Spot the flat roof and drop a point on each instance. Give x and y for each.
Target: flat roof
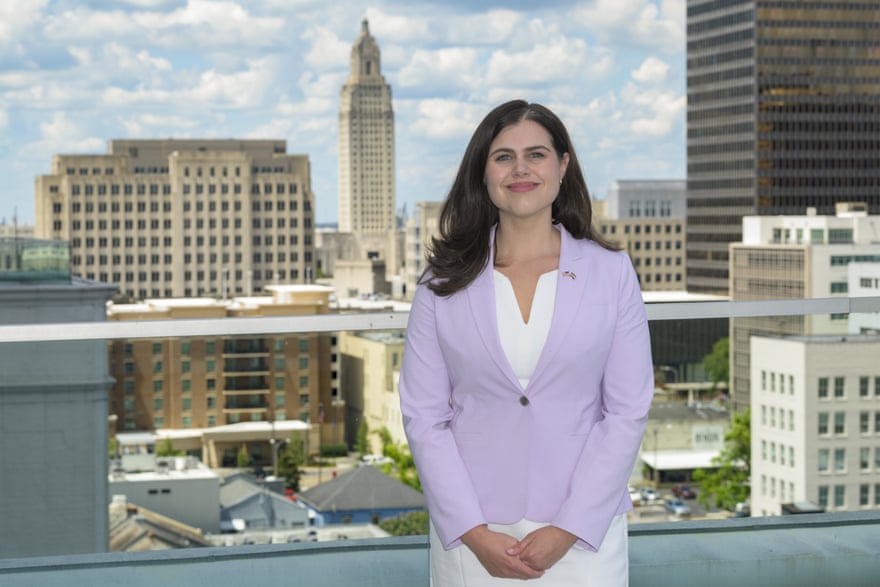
(675, 460)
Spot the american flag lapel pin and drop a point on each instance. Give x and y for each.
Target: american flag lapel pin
(569, 274)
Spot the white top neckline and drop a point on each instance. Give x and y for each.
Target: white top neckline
(521, 341)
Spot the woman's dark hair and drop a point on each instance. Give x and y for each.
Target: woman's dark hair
(461, 252)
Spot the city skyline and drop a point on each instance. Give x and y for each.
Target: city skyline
(76, 74)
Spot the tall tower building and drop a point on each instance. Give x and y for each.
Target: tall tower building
(783, 115)
(183, 217)
(366, 146)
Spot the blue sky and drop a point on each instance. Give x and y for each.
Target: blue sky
(74, 74)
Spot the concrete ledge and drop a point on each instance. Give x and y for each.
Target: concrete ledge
(787, 551)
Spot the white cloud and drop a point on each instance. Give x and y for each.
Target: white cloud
(638, 23)
(446, 119)
(17, 17)
(495, 26)
(4, 119)
(656, 111)
(448, 69)
(202, 23)
(652, 70)
(327, 51)
(559, 61)
(391, 28)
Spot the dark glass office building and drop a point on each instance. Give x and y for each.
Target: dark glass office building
(783, 115)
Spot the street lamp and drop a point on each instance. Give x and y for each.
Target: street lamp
(276, 446)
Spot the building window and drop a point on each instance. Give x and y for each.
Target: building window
(864, 422)
(186, 404)
(864, 494)
(823, 387)
(823, 423)
(823, 460)
(839, 496)
(279, 363)
(157, 348)
(209, 347)
(840, 422)
(303, 381)
(157, 366)
(157, 386)
(863, 386)
(157, 404)
(186, 385)
(303, 362)
(304, 347)
(184, 347)
(185, 366)
(839, 460)
(838, 387)
(864, 458)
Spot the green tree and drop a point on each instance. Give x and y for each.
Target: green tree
(408, 524)
(402, 466)
(360, 445)
(728, 483)
(166, 449)
(243, 459)
(717, 362)
(290, 459)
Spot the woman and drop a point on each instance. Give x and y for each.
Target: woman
(527, 374)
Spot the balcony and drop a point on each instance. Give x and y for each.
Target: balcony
(250, 366)
(815, 550)
(838, 548)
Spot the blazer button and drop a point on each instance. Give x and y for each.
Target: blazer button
(523, 400)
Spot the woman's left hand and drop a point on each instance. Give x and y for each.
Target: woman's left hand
(543, 547)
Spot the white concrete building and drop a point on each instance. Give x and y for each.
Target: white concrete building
(181, 488)
(815, 422)
(795, 257)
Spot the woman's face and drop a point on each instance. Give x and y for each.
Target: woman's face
(523, 171)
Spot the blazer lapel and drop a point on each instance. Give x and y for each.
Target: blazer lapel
(571, 281)
(481, 295)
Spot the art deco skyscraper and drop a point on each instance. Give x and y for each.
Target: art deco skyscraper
(783, 115)
(366, 145)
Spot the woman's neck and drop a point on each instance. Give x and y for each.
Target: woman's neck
(518, 243)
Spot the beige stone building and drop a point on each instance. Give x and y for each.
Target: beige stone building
(205, 382)
(369, 368)
(183, 218)
(646, 218)
(419, 229)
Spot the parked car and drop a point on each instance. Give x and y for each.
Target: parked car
(677, 507)
(635, 495)
(649, 495)
(742, 510)
(684, 492)
(375, 459)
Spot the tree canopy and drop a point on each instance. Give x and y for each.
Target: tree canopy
(717, 362)
(728, 483)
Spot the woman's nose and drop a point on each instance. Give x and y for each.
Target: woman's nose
(520, 167)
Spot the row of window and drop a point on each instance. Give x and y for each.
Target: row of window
(772, 421)
(824, 419)
(771, 455)
(866, 465)
(840, 495)
(637, 229)
(865, 387)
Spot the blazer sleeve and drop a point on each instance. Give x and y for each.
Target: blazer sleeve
(425, 402)
(598, 484)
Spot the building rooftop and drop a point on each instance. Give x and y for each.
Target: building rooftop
(362, 488)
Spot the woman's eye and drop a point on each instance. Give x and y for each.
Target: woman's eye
(502, 158)
(536, 155)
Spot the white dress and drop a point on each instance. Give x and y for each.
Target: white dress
(459, 567)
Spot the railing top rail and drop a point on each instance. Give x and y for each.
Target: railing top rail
(367, 321)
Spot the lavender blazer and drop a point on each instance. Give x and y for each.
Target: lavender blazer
(562, 449)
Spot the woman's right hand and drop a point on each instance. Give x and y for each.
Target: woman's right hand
(490, 549)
